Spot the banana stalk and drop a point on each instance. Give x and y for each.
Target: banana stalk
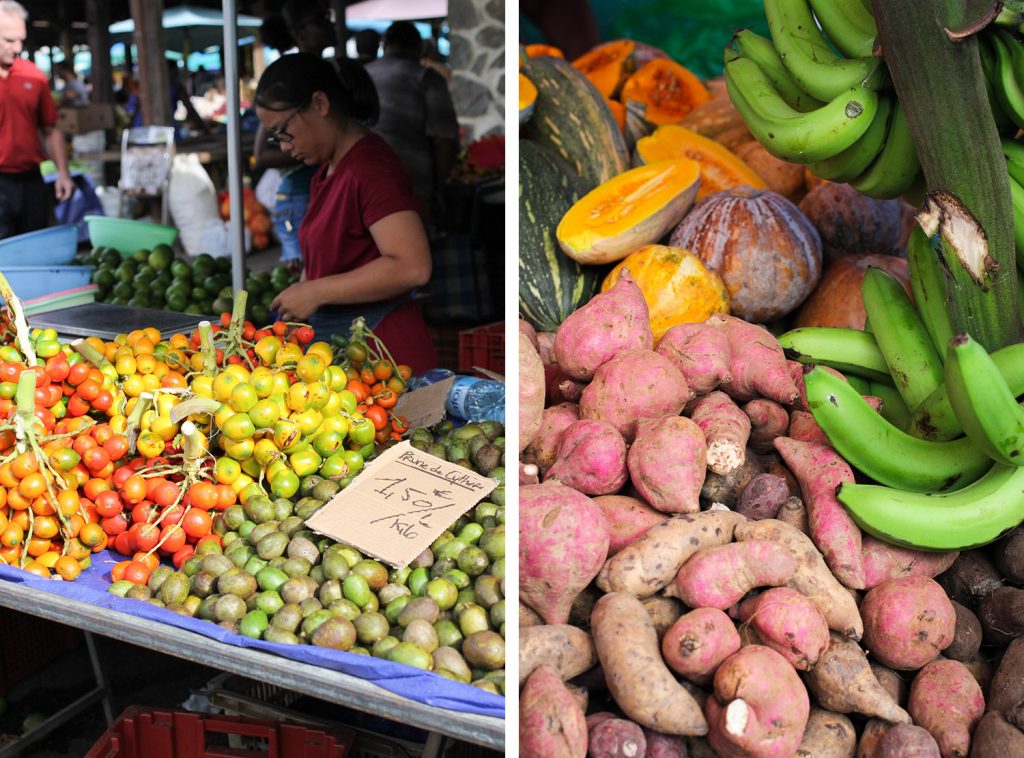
(941, 86)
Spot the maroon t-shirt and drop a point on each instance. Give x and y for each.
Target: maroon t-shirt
(26, 106)
(368, 184)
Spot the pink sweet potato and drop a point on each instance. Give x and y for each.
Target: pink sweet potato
(665, 745)
(563, 543)
(525, 327)
(812, 576)
(907, 622)
(758, 365)
(610, 323)
(717, 577)
(789, 623)
(843, 682)
(531, 391)
(726, 429)
(543, 450)
(907, 741)
(591, 458)
(667, 463)
(642, 685)
(759, 708)
(697, 643)
(883, 561)
(617, 738)
(546, 347)
(701, 352)
(628, 518)
(768, 420)
(871, 736)
(803, 428)
(946, 700)
(634, 385)
(652, 562)
(820, 470)
(763, 497)
(551, 724)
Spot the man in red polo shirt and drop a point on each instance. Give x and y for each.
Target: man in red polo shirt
(26, 110)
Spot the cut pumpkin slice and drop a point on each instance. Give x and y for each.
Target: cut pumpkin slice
(635, 208)
(527, 99)
(541, 51)
(618, 113)
(607, 66)
(720, 169)
(665, 90)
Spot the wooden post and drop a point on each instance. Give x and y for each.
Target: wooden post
(154, 87)
(340, 27)
(97, 14)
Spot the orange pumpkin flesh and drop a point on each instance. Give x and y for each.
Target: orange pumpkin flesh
(618, 113)
(666, 90)
(540, 51)
(607, 66)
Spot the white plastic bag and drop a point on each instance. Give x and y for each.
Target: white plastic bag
(192, 200)
(214, 239)
(266, 188)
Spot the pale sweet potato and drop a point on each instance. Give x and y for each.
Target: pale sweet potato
(820, 470)
(794, 513)
(525, 327)
(563, 543)
(763, 497)
(580, 694)
(883, 561)
(768, 420)
(907, 622)
(528, 617)
(996, 736)
(628, 518)
(667, 463)
(726, 429)
(551, 724)
(591, 458)
(828, 735)
(947, 701)
(664, 612)
(844, 682)
(531, 391)
(789, 623)
(652, 562)
(891, 682)
(983, 669)
(758, 365)
(727, 489)
(907, 741)
(617, 738)
(643, 687)
(543, 450)
(812, 576)
(701, 352)
(967, 637)
(717, 577)
(759, 707)
(567, 649)
(634, 385)
(608, 324)
(697, 643)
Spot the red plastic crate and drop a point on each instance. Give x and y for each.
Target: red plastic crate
(142, 732)
(28, 643)
(483, 346)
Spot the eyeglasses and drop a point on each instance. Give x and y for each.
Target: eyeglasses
(279, 135)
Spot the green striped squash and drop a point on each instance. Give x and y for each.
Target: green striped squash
(551, 284)
(572, 118)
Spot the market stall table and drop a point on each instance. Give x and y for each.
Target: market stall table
(315, 681)
(106, 320)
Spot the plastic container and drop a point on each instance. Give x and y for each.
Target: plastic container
(56, 301)
(474, 399)
(156, 733)
(31, 282)
(127, 235)
(54, 246)
(483, 347)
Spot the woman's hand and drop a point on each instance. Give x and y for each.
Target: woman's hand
(298, 302)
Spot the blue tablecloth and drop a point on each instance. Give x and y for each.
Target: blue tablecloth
(415, 684)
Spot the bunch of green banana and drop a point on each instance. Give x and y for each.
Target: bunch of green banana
(1002, 59)
(807, 103)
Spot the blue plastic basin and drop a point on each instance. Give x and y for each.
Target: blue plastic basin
(35, 281)
(54, 246)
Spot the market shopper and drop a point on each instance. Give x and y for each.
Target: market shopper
(417, 116)
(364, 243)
(26, 110)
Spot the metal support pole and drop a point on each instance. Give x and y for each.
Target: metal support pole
(236, 229)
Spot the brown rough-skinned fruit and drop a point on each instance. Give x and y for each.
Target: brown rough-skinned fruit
(836, 301)
(781, 176)
(850, 222)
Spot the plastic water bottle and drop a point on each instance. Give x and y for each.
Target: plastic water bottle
(475, 399)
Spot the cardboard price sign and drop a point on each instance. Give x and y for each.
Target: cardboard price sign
(400, 504)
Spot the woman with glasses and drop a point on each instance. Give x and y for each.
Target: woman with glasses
(364, 245)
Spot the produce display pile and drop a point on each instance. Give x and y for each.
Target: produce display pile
(200, 285)
(198, 457)
(770, 497)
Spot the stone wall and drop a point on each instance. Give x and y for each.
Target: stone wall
(477, 60)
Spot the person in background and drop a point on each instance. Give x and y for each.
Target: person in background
(417, 116)
(365, 246)
(303, 24)
(367, 45)
(26, 109)
(74, 91)
(568, 24)
(179, 94)
(431, 58)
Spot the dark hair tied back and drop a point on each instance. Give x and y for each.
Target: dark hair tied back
(290, 81)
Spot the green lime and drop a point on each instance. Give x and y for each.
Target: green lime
(111, 257)
(139, 301)
(161, 257)
(123, 290)
(260, 314)
(140, 256)
(213, 283)
(181, 270)
(205, 258)
(191, 309)
(223, 264)
(104, 277)
(222, 305)
(198, 294)
(31, 721)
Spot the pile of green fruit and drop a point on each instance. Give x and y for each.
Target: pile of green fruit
(276, 580)
(200, 285)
